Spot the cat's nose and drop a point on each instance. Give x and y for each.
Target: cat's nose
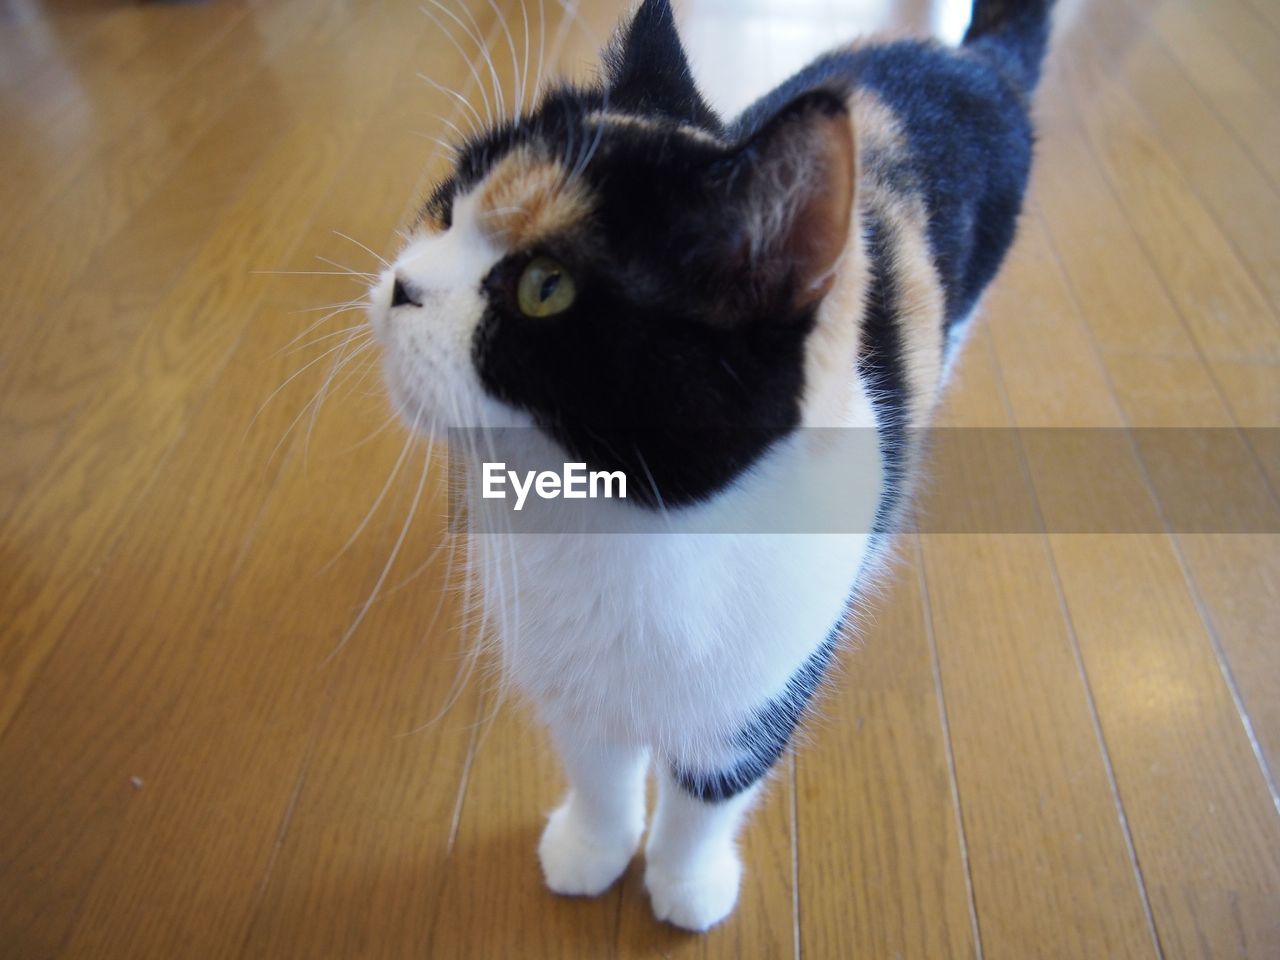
(403, 292)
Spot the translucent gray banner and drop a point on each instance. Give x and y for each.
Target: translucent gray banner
(833, 481)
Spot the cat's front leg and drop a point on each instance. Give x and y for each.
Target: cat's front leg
(692, 869)
(593, 834)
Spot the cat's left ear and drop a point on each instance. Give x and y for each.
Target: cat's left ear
(791, 188)
(648, 73)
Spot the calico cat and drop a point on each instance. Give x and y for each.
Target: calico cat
(647, 287)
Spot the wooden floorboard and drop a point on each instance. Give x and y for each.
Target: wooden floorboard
(1047, 743)
(1044, 829)
(877, 774)
(115, 243)
(119, 73)
(1224, 156)
(1156, 655)
(1241, 97)
(1247, 28)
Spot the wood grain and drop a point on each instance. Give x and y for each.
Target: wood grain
(1043, 744)
(877, 775)
(1171, 727)
(1047, 847)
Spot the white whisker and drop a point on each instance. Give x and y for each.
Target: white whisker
(355, 302)
(542, 49)
(342, 266)
(338, 310)
(462, 137)
(524, 71)
(475, 582)
(310, 273)
(477, 37)
(378, 431)
(509, 605)
(395, 552)
(303, 411)
(470, 656)
(453, 149)
(366, 343)
(375, 256)
(323, 337)
(475, 74)
(478, 123)
(595, 143)
(515, 67)
(334, 310)
(483, 46)
(355, 535)
(293, 376)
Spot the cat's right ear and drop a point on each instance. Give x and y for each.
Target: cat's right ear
(789, 190)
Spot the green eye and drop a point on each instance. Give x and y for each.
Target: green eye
(545, 289)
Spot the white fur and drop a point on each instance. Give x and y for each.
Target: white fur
(427, 356)
(692, 869)
(664, 635)
(591, 837)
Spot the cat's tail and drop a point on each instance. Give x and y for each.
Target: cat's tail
(1013, 34)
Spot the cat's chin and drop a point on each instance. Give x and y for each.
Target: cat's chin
(432, 417)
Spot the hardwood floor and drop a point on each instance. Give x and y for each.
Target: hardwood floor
(1045, 744)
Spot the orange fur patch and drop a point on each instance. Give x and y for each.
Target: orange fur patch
(921, 300)
(525, 199)
(921, 303)
(833, 345)
(831, 350)
(432, 220)
(877, 127)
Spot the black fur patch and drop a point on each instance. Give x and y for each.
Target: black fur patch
(883, 369)
(677, 363)
(968, 154)
(649, 74)
(1013, 34)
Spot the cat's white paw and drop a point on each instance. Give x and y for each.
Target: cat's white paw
(696, 897)
(576, 863)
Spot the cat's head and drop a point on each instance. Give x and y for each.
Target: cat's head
(621, 271)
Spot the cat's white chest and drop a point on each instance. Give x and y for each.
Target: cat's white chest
(673, 639)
